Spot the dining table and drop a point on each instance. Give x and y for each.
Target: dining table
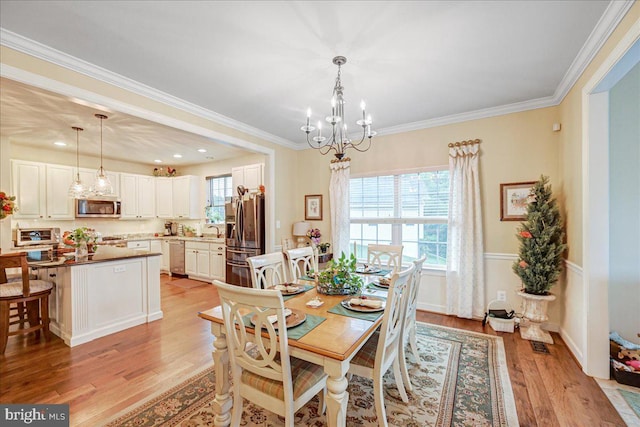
(331, 343)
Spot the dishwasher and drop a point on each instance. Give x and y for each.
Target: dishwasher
(176, 259)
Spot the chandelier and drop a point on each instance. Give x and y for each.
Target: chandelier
(338, 139)
(77, 189)
(102, 186)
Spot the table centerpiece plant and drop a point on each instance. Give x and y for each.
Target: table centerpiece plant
(340, 278)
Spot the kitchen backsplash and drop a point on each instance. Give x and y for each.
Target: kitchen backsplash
(109, 227)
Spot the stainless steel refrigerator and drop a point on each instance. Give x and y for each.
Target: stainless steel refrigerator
(245, 234)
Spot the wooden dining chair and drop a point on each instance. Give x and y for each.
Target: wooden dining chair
(262, 369)
(33, 295)
(301, 262)
(267, 270)
(381, 350)
(385, 256)
(409, 325)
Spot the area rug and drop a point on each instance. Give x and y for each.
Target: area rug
(633, 400)
(625, 398)
(462, 380)
(187, 283)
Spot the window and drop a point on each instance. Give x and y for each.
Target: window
(402, 209)
(218, 193)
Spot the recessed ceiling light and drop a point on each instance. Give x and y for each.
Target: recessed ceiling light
(177, 156)
(202, 150)
(158, 161)
(60, 144)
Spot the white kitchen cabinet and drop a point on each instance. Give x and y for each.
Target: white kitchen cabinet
(217, 261)
(29, 188)
(186, 197)
(41, 190)
(139, 245)
(155, 246)
(178, 197)
(164, 197)
(138, 196)
(251, 176)
(196, 257)
(59, 204)
(88, 177)
(165, 263)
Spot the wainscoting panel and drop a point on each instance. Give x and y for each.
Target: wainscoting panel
(573, 322)
(566, 313)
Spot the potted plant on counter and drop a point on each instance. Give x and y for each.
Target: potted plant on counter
(83, 239)
(340, 278)
(539, 262)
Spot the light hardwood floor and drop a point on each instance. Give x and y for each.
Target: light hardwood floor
(105, 376)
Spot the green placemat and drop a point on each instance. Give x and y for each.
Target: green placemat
(306, 288)
(296, 332)
(339, 309)
(305, 277)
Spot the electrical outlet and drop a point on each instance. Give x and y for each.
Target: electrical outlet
(502, 295)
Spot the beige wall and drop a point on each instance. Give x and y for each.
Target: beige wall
(570, 152)
(514, 148)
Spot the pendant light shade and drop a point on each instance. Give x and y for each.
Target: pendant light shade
(77, 189)
(102, 185)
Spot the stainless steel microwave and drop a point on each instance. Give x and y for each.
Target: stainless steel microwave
(97, 208)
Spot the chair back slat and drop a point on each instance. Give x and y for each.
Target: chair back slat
(267, 270)
(16, 260)
(385, 256)
(394, 315)
(264, 356)
(411, 296)
(301, 261)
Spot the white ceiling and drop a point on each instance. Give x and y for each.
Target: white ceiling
(257, 66)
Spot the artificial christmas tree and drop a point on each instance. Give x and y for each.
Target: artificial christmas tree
(540, 259)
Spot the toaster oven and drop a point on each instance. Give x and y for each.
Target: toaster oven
(37, 236)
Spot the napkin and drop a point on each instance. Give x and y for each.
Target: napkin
(286, 288)
(274, 317)
(371, 303)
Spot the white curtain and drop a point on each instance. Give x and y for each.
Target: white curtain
(465, 251)
(339, 201)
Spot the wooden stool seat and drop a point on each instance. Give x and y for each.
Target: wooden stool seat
(14, 289)
(31, 297)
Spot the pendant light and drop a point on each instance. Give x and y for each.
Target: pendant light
(102, 185)
(77, 189)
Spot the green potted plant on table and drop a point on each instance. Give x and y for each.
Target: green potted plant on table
(539, 262)
(340, 278)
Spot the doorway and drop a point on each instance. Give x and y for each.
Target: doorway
(596, 199)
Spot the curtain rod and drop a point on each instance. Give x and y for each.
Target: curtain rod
(469, 142)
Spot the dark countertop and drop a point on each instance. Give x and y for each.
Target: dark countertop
(46, 259)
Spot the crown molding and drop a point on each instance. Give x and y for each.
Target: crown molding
(471, 115)
(603, 29)
(54, 56)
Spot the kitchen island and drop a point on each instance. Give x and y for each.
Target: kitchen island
(108, 291)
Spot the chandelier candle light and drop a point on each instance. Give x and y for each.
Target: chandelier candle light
(339, 140)
(102, 185)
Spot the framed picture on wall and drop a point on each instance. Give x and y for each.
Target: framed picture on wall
(514, 198)
(313, 207)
